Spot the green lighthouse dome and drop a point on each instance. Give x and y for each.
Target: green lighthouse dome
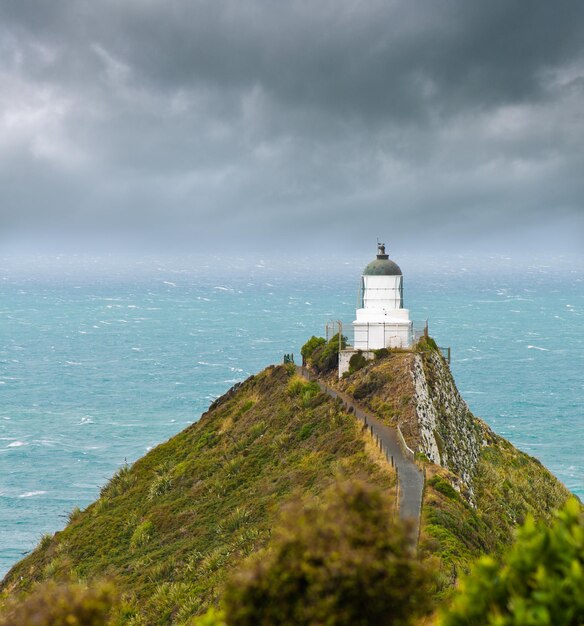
(382, 265)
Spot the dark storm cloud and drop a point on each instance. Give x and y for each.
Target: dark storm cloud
(180, 118)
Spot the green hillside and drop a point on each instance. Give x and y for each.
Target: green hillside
(170, 528)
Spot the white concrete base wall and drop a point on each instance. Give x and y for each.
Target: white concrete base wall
(345, 357)
(375, 335)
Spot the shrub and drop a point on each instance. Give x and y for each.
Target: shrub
(160, 485)
(176, 601)
(45, 541)
(258, 430)
(72, 605)
(427, 344)
(162, 481)
(326, 357)
(305, 431)
(246, 406)
(444, 487)
(340, 564)
(356, 362)
(372, 383)
(236, 519)
(539, 582)
(214, 560)
(311, 390)
(311, 345)
(296, 386)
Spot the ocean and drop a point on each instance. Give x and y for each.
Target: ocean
(103, 358)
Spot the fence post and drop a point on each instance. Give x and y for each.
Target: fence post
(397, 490)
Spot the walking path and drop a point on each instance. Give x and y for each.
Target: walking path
(392, 444)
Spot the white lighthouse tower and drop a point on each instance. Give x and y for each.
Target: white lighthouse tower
(382, 321)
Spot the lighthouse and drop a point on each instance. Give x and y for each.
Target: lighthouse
(381, 320)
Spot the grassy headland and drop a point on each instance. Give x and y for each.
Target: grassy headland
(170, 530)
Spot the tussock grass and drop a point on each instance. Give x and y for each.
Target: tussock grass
(170, 528)
(121, 481)
(141, 535)
(45, 541)
(74, 514)
(161, 484)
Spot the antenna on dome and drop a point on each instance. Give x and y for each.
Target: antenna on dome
(381, 250)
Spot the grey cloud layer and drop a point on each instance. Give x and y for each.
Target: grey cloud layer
(183, 118)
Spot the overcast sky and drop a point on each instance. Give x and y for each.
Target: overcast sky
(194, 124)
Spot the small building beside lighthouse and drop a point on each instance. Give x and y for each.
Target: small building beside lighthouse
(381, 319)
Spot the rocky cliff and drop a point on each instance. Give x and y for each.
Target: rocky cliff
(449, 434)
(479, 486)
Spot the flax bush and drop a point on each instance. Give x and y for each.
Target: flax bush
(539, 582)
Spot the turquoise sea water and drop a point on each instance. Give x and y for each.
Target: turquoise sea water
(102, 359)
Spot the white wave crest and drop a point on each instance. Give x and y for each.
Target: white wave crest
(30, 494)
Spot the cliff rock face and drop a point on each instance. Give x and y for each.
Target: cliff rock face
(449, 434)
(479, 486)
(416, 391)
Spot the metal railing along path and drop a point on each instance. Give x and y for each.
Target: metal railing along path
(410, 478)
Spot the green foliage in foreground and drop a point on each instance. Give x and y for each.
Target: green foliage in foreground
(341, 563)
(539, 582)
(67, 605)
(344, 562)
